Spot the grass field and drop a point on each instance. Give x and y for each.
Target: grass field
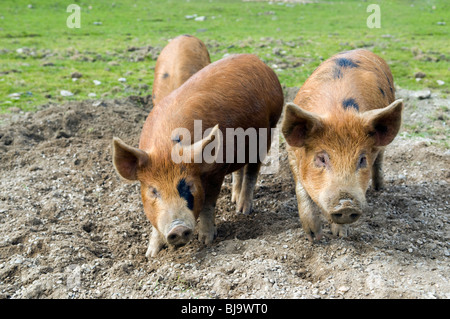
(122, 39)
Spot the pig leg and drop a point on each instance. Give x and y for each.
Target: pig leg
(206, 221)
(237, 185)
(156, 243)
(309, 214)
(339, 230)
(377, 172)
(251, 171)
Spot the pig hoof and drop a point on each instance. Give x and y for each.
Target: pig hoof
(314, 236)
(245, 208)
(339, 230)
(207, 238)
(153, 250)
(234, 198)
(155, 245)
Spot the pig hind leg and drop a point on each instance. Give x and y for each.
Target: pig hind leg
(377, 172)
(237, 185)
(206, 222)
(249, 178)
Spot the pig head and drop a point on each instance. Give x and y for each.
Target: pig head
(336, 140)
(172, 194)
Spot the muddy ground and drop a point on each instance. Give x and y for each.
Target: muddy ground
(71, 228)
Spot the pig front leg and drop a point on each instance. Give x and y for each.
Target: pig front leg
(309, 214)
(156, 243)
(339, 230)
(237, 185)
(206, 221)
(377, 172)
(244, 205)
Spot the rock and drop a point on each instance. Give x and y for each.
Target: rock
(97, 82)
(92, 95)
(15, 96)
(343, 289)
(440, 82)
(420, 75)
(422, 95)
(122, 80)
(76, 75)
(201, 18)
(14, 109)
(65, 93)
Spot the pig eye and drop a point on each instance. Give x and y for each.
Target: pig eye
(362, 162)
(322, 160)
(152, 192)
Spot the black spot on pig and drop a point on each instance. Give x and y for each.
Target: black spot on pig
(350, 103)
(337, 74)
(185, 192)
(346, 63)
(342, 63)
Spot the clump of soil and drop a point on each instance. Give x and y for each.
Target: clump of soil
(71, 228)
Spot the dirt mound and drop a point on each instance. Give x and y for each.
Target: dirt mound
(71, 228)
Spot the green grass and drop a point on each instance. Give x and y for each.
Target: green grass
(291, 39)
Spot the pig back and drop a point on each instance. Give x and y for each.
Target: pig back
(357, 79)
(239, 91)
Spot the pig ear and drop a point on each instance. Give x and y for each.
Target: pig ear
(127, 159)
(299, 125)
(384, 124)
(196, 149)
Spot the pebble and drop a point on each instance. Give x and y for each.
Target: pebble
(422, 95)
(440, 82)
(420, 75)
(65, 93)
(14, 96)
(122, 80)
(76, 75)
(97, 82)
(343, 289)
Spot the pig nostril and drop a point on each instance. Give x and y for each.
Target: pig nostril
(354, 216)
(173, 237)
(338, 215)
(187, 233)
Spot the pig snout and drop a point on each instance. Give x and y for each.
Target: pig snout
(179, 235)
(346, 212)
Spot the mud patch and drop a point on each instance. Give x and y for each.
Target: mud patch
(71, 228)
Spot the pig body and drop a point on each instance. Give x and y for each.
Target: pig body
(336, 129)
(239, 91)
(178, 61)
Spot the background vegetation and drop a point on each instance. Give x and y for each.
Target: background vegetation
(121, 40)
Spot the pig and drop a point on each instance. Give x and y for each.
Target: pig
(178, 61)
(336, 130)
(239, 91)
